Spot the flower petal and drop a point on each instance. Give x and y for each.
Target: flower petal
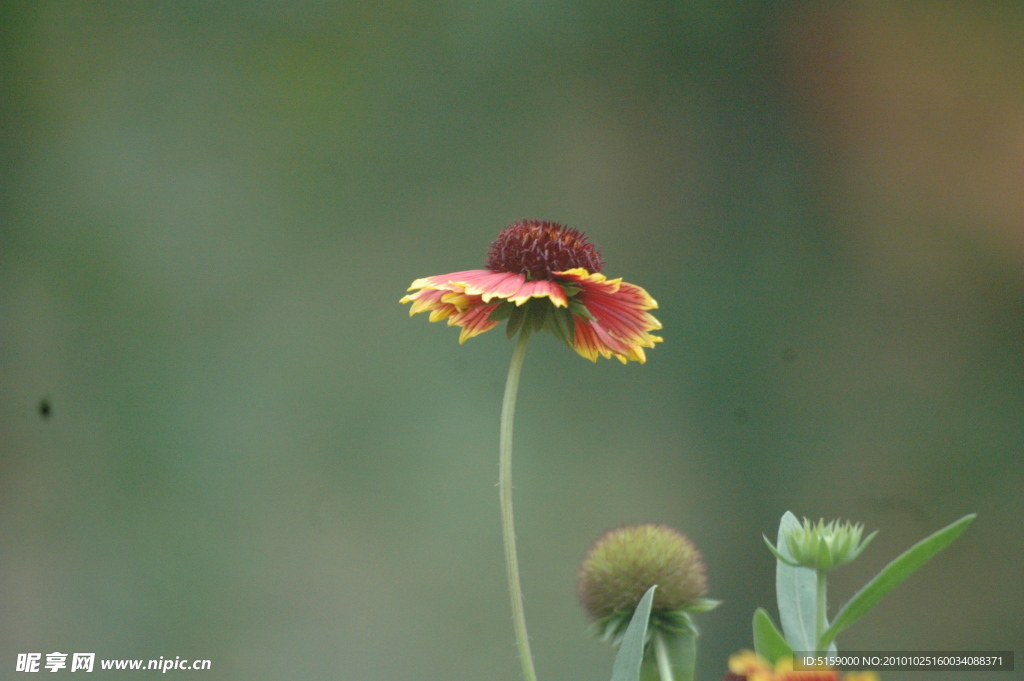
(751, 666)
(446, 282)
(462, 298)
(430, 300)
(621, 315)
(488, 285)
(594, 281)
(473, 321)
(590, 339)
(620, 323)
(540, 288)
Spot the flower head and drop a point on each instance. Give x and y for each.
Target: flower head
(541, 275)
(538, 249)
(624, 563)
(747, 665)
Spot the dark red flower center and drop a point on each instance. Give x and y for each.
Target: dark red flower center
(537, 248)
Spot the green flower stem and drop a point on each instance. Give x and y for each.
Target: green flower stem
(508, 529)
(821, 610)
(661, 653)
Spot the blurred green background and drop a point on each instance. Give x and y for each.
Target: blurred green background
(253, 456)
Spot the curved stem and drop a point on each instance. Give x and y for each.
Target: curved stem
(508, 530)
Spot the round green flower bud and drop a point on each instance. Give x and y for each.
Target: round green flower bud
(625, 562)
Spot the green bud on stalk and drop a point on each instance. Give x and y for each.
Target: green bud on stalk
(823, 546)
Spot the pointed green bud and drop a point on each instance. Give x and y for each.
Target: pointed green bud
(824, 546)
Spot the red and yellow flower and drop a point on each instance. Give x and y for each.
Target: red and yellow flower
(747, 665)
(541, 275)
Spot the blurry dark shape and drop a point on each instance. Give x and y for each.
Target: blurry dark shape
(45, 409)
(790, 355)
(894, 505)
(741, 415)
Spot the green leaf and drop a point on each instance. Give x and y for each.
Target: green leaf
(775, 552)
(894, 573)
(631, 653)
(796, 591)
(515, 321)
(768, 642)
(538, 313)
(703, 605)
(610, 629)
(501, 312)
(561, 323)
(863, 545)
(571, 289)
(580, 310)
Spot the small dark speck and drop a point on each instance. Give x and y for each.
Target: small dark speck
(45, 410)
(790, 355)
(741, 415)
(898, 505)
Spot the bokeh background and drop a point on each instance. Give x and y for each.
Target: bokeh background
(253, 456)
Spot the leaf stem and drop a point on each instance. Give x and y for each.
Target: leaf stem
(661, 653)
(508, 530)
(821, 610)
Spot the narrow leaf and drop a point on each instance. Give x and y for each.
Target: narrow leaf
(795, 589)
(775, 552)
(894, 573)
(515, 321)
(538, 313)
(703, 605)
(580, 310)
(768, 642)
(631, 653)
(563, 324)
(863, 545)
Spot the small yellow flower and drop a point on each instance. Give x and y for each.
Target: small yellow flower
(551, 276)
(750, 666)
